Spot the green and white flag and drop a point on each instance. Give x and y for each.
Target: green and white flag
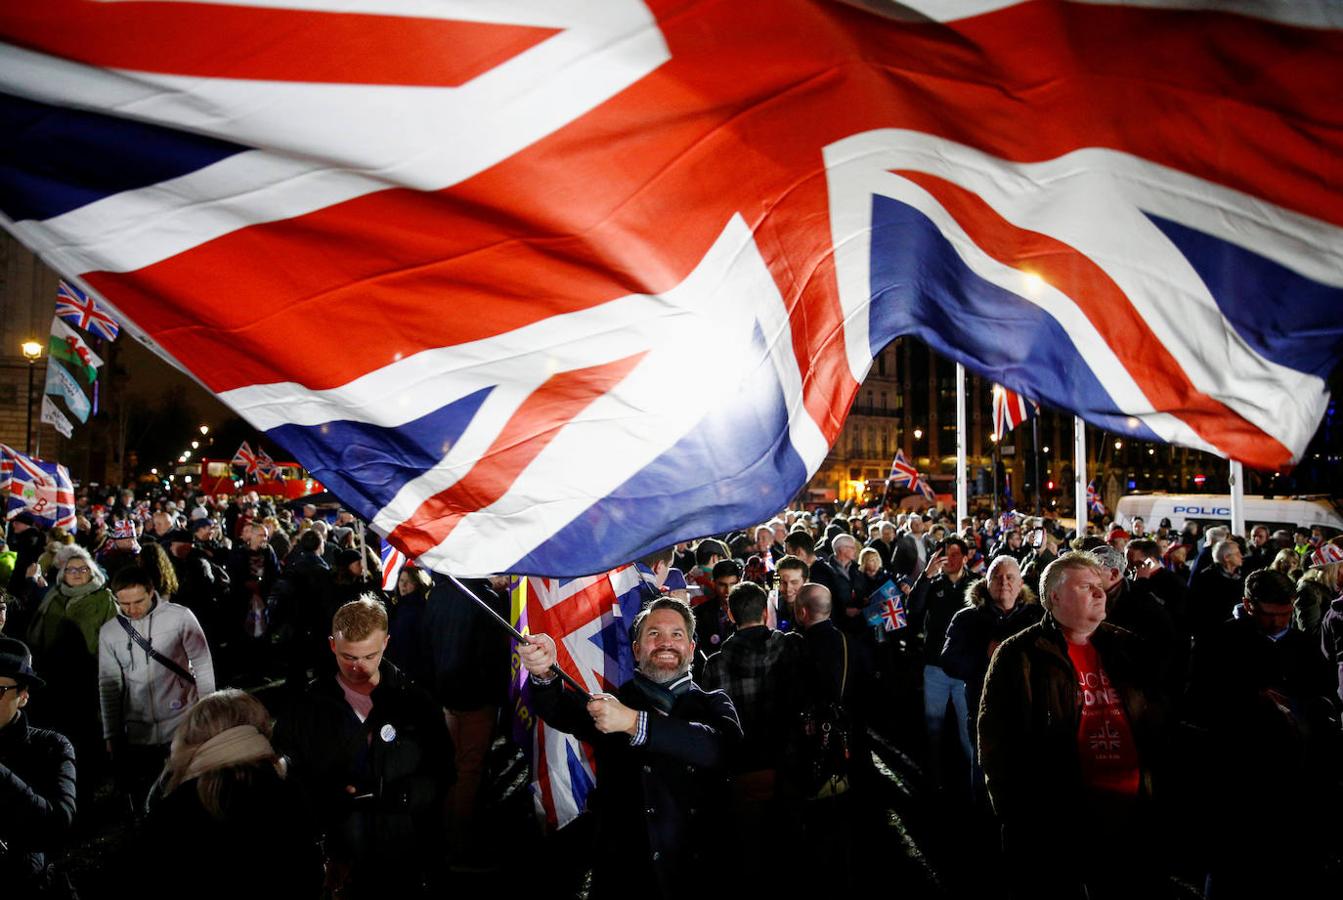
(62, 383)
(67, 344)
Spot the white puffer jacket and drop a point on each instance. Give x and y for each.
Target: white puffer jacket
(143, 700)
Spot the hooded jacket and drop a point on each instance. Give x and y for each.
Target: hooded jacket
(141, 699)
(976, 631)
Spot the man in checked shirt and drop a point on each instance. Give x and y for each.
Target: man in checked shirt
(662, 746)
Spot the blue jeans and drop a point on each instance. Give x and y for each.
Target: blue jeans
(938, 688)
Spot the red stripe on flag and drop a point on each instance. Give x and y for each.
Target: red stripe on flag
(242, 42)
(535, 424)
(734, 123)
(541, 771)
(1139, 350)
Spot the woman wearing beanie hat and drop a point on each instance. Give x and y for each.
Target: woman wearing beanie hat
(63, 636)
(37, 782)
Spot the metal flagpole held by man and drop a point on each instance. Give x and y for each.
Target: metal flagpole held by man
(517, 635)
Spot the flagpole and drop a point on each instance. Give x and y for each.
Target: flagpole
(996, 444)
(363, 546)
(1035, 446)
(962, 489)
(517, 635)
(1237, 479)
(1080, 474)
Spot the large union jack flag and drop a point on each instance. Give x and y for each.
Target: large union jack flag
(536, 286)
(589, 619)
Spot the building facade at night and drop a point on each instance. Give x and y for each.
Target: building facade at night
(27, 304)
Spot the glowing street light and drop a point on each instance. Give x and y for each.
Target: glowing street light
(32, 351)
(918, 433)
(205, 429)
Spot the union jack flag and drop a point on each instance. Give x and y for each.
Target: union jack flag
(83, 311)
(246, 458)
(589, 619)
(887, 609)
(904, 473)
(927, 491)
(489, 215)
(1094, 504)
(392, 561)
(1010, 409)
(42, 488)
(264, 464)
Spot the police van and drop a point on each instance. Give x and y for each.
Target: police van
(1215, 509)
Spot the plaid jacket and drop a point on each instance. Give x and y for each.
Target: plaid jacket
(760, 669)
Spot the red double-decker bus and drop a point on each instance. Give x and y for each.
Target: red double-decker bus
(289, 481)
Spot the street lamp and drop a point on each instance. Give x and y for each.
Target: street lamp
(205, 429)
(32, 351)
(918, 433)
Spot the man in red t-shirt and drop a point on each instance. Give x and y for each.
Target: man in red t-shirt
(1064, 726)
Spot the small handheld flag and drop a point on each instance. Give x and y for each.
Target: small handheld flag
(392, 562)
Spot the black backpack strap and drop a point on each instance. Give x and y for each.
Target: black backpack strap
(170, 665)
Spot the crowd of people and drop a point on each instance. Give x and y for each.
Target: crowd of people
(1099, 711)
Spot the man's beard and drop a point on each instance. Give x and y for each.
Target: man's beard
(661, 674)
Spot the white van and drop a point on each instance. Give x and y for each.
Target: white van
(1215, 509)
